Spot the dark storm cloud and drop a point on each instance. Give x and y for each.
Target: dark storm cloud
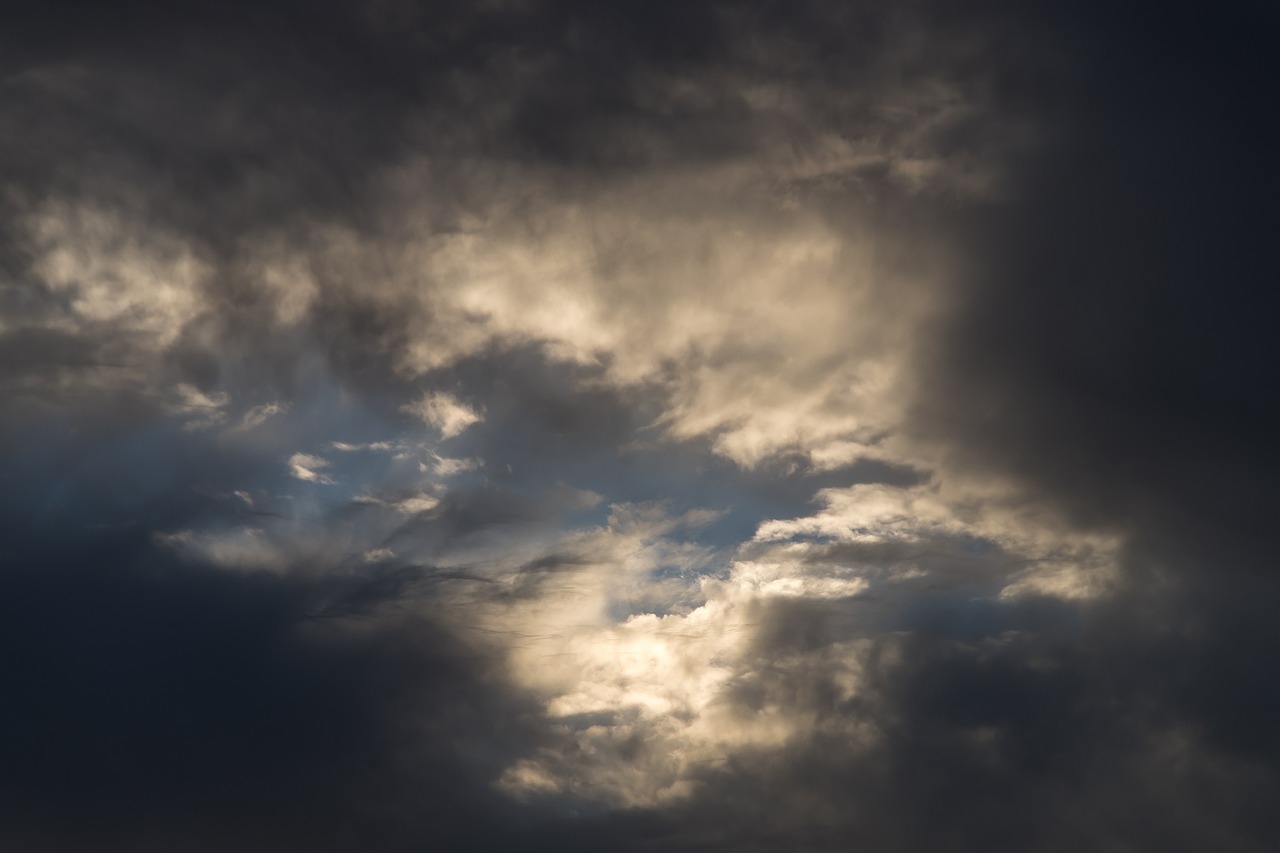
(151, 703)
(1107, 353)
(1111, 353)
(1112, 347)
(1048, 738)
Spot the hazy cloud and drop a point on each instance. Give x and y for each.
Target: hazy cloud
(634, 426)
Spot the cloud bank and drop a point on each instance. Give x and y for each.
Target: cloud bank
(554, 425)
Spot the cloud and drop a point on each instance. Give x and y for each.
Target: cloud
(259, 415)
(445, 412)
(378, 446)
(304, 466)
(198, 408)
(858, 420)
(140, 283)
(178, 722)
(411, 505)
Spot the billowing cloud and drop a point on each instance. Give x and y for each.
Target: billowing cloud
(633, 426)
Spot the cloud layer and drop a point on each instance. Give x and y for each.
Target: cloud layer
(638, 426)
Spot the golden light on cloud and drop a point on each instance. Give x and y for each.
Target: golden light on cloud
(628, 426)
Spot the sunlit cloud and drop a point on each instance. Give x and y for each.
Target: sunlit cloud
(445, 412)
(305, 466)
(259, 415)
(633, 426)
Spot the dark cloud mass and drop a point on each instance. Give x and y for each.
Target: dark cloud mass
(638, 426)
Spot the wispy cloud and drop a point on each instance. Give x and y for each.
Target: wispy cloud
(305, 466)
(443, 411)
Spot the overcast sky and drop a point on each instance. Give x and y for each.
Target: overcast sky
(639, 426)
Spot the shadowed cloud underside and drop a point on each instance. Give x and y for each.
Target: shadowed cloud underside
(638, 426)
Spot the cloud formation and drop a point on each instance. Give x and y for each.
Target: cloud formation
(634, 426)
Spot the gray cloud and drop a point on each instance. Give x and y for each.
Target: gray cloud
(637, 426)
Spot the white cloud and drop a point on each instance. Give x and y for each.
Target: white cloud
(412, 505)
(259, 415)
(305, 466)
(198, 408)
(445, 467)
(658, 676)
(443, 411)
(416, 504)
(662, 676)
(142, 281)
(379, 446)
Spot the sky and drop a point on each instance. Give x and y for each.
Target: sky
(684, 426)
